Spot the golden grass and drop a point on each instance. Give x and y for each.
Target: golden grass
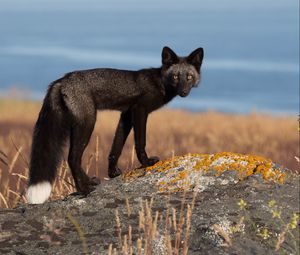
(177, 227)
(169, 132)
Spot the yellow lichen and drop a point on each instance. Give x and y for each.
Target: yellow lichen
(245, 164)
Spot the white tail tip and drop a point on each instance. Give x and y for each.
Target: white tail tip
(38, 193)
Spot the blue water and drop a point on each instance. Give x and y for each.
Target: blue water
(251, 47)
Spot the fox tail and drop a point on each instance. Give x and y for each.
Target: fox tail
(50, 134)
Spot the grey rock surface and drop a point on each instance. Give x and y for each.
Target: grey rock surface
(220, 222)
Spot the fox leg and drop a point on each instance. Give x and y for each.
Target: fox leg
(140, 116)
(80, 136)
(122, 132)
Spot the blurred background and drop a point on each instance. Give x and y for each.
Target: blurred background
(251, 47)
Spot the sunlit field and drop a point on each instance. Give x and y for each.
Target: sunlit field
(170, 132)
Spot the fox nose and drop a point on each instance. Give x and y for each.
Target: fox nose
(184, 92)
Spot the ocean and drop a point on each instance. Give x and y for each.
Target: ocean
(251, 47)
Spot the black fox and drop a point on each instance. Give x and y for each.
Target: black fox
(69, 111)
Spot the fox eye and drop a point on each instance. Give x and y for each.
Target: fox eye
(175, 77)
(189, 77)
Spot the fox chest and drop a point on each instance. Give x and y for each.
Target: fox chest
(153, 101)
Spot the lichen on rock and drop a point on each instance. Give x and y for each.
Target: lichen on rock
(195, 171)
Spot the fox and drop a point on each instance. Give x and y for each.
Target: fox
(69, 111)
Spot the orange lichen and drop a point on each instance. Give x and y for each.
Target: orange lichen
(165, 165)
(182, 175)
(245, 164)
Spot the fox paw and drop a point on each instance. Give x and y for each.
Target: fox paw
(87, 189)
(150, 161)
(87, 186)
(94, 181)
(112, 173)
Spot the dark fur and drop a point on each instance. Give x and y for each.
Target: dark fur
(70, 106)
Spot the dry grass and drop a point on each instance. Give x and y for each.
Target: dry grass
(169, 132)
(172, 239)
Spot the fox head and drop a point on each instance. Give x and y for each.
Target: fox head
(181, 73)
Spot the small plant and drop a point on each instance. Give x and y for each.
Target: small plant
(275, 232)
(79, 231)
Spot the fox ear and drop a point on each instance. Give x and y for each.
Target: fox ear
(168, 57)
(196, 57)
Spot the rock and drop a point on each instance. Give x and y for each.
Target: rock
(204, 204)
